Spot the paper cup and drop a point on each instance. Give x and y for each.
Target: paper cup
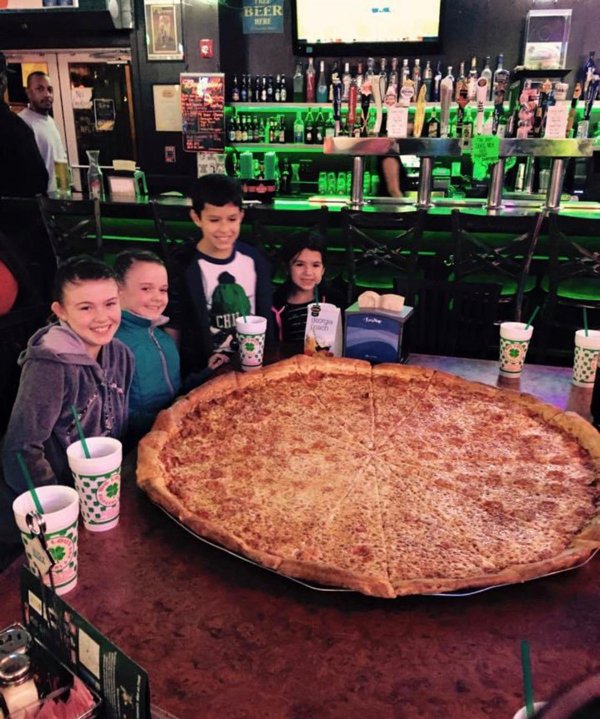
(522, 713)
(61, 511)
(514, 343)
(98, 481)
(251, 331)
(585, 361)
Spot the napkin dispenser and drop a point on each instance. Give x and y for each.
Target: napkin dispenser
(125, 181)
(375, 334)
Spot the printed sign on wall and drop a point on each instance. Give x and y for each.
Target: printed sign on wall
(262, 16)
(202, 111)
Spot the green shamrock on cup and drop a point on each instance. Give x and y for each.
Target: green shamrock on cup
(514, 352)
(249, 346)
(112, 490)
(58, 553)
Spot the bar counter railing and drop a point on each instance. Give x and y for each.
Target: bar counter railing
(428, 149)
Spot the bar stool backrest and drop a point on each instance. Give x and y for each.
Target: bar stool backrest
(173, 226)
(73, 226)
(381, 242)
(480, 250)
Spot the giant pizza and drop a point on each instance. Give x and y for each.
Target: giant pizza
(390, 480)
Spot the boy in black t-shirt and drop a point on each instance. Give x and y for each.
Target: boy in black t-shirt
(216, 279)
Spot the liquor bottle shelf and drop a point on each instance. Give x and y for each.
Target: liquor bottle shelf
(268, 146)
(274, 107)
(451, 147)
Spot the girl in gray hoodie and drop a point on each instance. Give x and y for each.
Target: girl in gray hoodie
(74, 362)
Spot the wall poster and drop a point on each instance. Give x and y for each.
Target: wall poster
(167, 108)
(202, 111)
(163, 30)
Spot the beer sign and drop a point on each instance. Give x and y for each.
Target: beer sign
(260, 16)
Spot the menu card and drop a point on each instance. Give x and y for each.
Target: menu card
(202, 111)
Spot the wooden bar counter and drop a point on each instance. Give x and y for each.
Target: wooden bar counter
(224, 639)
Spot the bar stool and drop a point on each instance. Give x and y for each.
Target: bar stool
(72, 226)
(571, 284)
(379, 246)
(480, 252)
(173, 226)
(271, 228)
(454, 319)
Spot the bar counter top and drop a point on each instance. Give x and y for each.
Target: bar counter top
(224, 639)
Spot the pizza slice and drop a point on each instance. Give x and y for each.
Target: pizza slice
(349, 549)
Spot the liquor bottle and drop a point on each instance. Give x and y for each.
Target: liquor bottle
(282, 137)
(298, 128)
(322, 88)
(257, 88)
(501, 77)
(255, 130)
(427, 80)
(238, 130)
(235, 90)
(383, 71)
(487, 74)
(329, 125)
(277, 89)
(310, 81)
(319, 128)
(250, 87)
(416, 76)
(286, 175)
(588, 70)
(391, 93)
(334, 79)
(283, 93)
(437, 79)
(270, 89)
(460, 80)
(244, 89)
(309, 128)
(352, 103)
(244, 128)
(472, 81)
(359, 76)
(405, 73)
(263, 89)
(298, 84)
(368, 79)
(346, 78)
(432, 128)
(231, 131)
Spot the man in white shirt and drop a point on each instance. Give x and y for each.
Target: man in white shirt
(41, 97)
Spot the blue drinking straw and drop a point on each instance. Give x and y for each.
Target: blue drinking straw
(26, 475)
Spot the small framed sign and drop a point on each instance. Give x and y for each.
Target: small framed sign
(163, 30)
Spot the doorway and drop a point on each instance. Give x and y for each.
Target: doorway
(93, 105)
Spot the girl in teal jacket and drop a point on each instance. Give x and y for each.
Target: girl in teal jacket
(143, 291)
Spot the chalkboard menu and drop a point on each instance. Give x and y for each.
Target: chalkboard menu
(202, 111)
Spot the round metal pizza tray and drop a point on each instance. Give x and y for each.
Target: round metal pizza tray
(335, 590)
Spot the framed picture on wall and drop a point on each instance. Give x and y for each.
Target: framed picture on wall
(163, 30)
(167, 108)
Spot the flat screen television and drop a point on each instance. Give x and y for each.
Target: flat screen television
(361, 27)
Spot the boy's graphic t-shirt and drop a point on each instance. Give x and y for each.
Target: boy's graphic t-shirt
(229, 288)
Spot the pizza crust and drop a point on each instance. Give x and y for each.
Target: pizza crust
(422, 388)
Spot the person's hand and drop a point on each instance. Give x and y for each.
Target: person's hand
(217, 359)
